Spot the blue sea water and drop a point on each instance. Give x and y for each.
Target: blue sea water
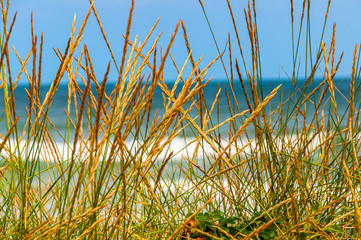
(59, 105)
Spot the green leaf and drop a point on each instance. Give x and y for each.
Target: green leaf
(237, 218)
(217, 216)
(268, 234)
(256, 215)
(217, 212)
(280, 221)
(229, 220)
(203, 226)
(202, 217)
(225, 238)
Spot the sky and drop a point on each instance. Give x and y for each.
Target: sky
(54, 18)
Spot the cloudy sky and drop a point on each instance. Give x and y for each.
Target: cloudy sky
(54, 19)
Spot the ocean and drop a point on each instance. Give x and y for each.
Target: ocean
(222, 112)
(59, 105)
(186, 148)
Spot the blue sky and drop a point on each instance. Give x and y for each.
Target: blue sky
(54, 19)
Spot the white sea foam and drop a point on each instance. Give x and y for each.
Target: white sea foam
(182, 148)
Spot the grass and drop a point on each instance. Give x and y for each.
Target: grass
(122, 172)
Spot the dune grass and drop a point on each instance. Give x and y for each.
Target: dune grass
(125, 170)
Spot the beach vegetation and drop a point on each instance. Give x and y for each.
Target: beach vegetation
(284, 165)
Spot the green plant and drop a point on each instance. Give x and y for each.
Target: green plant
(216, 225)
